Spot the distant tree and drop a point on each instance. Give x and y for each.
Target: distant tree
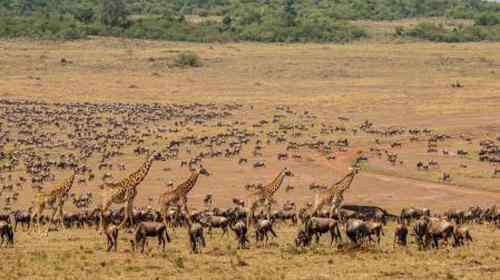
(114, 13)
(24, 7)
(83, 12)
(290, 12)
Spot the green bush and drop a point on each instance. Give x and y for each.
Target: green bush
(488, 19)
(432, 32)
(188, 58)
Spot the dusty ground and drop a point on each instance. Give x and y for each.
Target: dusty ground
(391, 84)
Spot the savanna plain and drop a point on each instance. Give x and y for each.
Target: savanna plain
(301, 100)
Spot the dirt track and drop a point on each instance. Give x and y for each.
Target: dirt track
(394, 192)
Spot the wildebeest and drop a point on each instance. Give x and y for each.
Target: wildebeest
(400, 234)
(262, 228)
(6, 233)
(440, 229)
(150, 229)
(240, 230)
(376, 229)
(318, 226)
(196, 237)
(357, 231)
(420, 230)
(462, 236)
(408, 214)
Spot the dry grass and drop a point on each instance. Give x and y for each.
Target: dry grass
(80, 254)
(405, 84)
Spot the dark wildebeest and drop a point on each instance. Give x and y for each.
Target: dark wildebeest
(357, 231)
(240, 230)
(440, 229)
(420, 229)
(408, 214)
(462, 236)
(262, 228)
(196, 237)
(6, 234)
(150, 229)
(318, 226)
(400, 234)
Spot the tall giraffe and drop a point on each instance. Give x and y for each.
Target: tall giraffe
(334, 195)
(125, 191)
(53, 199)
(179, 193)
(264, 195)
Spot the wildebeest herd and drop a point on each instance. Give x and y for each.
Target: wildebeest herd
(40, 139)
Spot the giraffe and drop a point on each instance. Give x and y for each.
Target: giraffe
(179, 193)
(125, 191)
(53, 199)
(264, 195)
(334, 195)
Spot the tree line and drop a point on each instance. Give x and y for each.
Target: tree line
(249, 20)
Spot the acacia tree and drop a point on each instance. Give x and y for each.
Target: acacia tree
(114, 13)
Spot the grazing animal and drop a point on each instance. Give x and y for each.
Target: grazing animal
(23, 218)
(303, 239)
(400, 235)
(462, 236)
(376, 229)
(408, 214)
(357, 231)
(439, 229)
(262, 228)
(211, 221)
(240, 230)
(318, 226)
(420, 230)
(6, 234)
(150, 229)
(284, 215)
(196, 237)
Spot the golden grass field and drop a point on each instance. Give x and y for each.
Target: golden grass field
(390, 83)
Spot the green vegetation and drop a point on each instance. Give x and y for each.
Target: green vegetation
(188, 59)
(231, 20)
(486, 28)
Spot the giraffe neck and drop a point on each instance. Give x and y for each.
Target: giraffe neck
(68, 184)
(275, 184)
(342, 185)
(138, 176)
(189, 184)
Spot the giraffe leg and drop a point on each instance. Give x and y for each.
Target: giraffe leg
(104, 207)
(36, 227)
(186, 210)
(128, 215)
(61, 217)
(251, 214)
(51, 221)
(269, 205)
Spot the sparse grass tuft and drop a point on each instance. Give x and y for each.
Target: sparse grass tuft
(188, 59)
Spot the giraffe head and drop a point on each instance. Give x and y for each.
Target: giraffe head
(287, 172)
(203, 171)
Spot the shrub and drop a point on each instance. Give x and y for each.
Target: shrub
(432, 32)
(488, 19)
(188, 58)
